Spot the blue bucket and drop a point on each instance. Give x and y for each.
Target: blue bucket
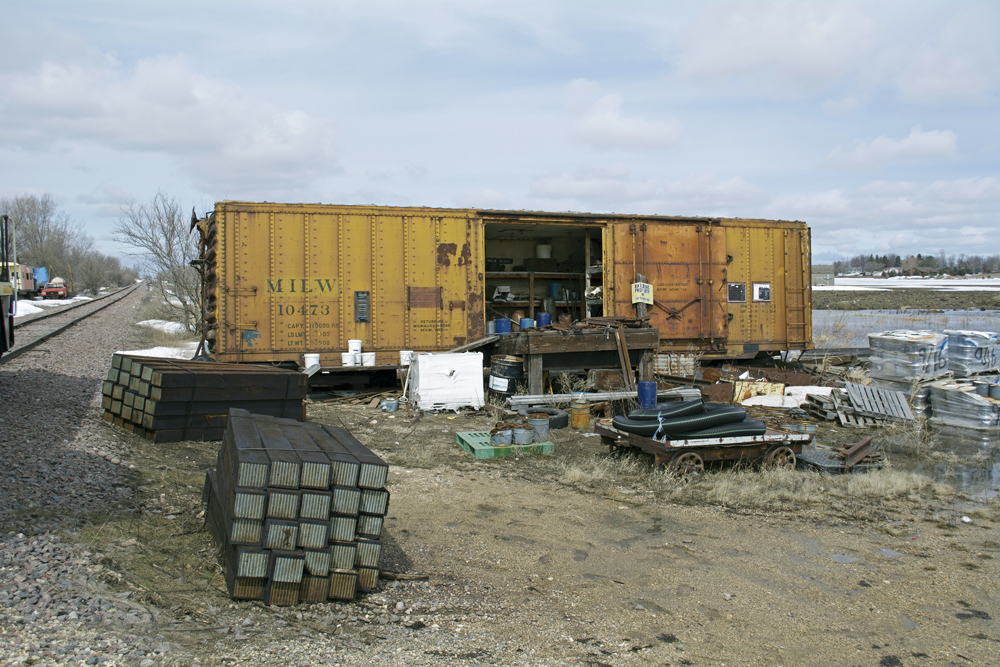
(647, 394)
(503, 325)
(526, 323)
(543, 319)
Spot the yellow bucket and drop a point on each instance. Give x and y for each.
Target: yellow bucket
(579, 415)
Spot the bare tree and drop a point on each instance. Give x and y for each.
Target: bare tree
(161, 238)
(95, 271)
(45, 237)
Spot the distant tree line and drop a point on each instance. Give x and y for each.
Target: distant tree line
(47, 237)
(892, 264)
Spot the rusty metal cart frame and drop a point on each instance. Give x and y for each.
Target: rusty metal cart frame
(688, 457)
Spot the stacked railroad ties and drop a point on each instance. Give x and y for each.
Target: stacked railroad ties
(297, 511)
(167, 400)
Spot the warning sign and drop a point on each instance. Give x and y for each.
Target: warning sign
(642, 293)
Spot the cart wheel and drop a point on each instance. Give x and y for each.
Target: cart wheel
(687, 464)
(780, 457)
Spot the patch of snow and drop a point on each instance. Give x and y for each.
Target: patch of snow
(26, 308)
(947, 284)
(772, 401)
(164, 326)
(185, 351)
(800, 393)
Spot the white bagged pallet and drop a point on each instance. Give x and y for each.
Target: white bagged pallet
(908, 355)
(447, 381)
(972, 352)
(955, 404)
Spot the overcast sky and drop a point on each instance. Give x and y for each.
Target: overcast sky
(877, 123)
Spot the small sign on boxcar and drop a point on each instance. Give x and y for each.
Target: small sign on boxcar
(642, 293)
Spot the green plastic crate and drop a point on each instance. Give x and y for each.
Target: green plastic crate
(478, 444)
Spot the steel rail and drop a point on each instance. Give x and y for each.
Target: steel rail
(60, 311)
(18, 351)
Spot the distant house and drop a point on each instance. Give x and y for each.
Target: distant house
(822, 274)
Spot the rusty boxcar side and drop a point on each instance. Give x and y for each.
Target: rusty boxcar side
(283, 280)
(286, 279)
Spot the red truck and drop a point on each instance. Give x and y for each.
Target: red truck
(55, 289)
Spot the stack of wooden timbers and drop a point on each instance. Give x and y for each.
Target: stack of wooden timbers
(296, 510)
(863, 453)
(169, 400)
(860, 406)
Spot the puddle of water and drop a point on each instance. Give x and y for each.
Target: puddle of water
(841, 558)
(850, 328)
(968, 460)
(890, 554)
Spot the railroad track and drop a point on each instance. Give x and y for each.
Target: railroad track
(37, 332)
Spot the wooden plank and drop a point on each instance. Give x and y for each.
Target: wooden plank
(623, 356)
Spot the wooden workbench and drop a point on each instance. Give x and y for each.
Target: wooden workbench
(576, 350)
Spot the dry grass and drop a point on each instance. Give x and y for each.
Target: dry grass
(746, 487)
(147, 337)
(911, 438)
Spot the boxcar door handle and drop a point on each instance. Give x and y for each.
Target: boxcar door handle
(457, 304)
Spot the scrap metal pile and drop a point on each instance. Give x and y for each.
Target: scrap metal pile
(168, 400)
(296, 510)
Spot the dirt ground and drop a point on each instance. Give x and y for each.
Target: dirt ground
(581, 558)
(905, 298)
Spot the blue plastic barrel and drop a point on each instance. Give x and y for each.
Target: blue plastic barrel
(503, 326)
(647, 394)
(543, 319)
(555, 290)
(527, 323)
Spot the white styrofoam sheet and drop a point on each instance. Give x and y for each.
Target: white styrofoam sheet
(447, 381)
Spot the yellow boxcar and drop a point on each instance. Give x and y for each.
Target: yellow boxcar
(283, 280)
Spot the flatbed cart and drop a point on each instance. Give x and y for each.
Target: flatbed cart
(688, 457)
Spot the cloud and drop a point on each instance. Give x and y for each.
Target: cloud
(612, 187)
(962, 64)
(919, 145)
(902, 217)
(222, 135)
(601, 123)
(806, 205)
(967, 190)
(843, 107)
(776, 47)
(610, 183)
(486, 198)
(704, 192)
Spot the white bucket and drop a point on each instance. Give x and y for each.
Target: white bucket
(310, 360)
(350, 359)
(354, 345)
(405, 357)
(367, 358)
(543, 252)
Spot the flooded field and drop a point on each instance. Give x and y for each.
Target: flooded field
(850, 328)
(966, 459)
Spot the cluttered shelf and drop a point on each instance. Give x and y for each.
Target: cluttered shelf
(529, 274)
(574, 300)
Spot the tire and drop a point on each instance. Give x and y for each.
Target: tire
(557, 418)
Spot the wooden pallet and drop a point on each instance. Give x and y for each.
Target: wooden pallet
(859, 406)
(478, 444)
